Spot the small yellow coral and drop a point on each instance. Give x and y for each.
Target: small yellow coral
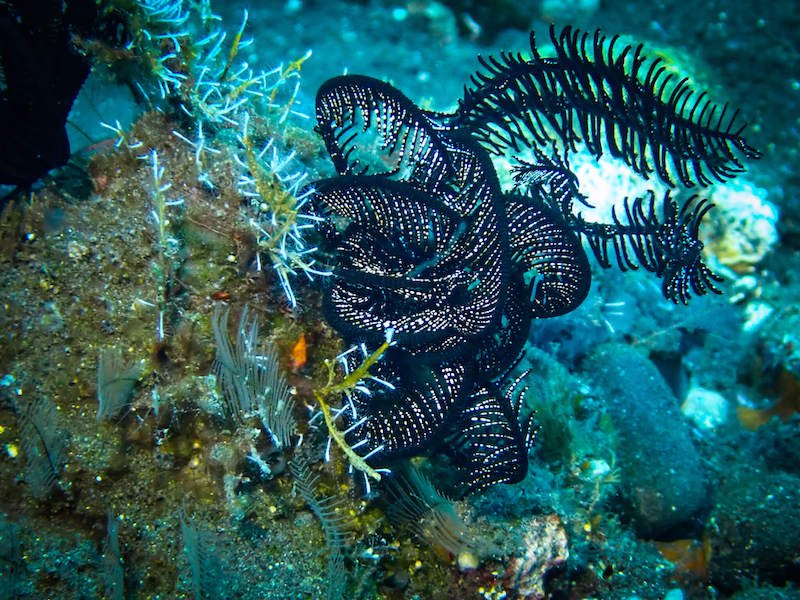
(346, 385)
(742, 228)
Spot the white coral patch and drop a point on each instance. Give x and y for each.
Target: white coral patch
(706, 408)
(742, 227)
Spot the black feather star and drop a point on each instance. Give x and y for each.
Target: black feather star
(426, 243)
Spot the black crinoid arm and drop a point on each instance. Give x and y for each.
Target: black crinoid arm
(596, 92)
(423, 240)
(607, 97)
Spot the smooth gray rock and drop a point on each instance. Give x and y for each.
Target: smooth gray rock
(662, 478)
